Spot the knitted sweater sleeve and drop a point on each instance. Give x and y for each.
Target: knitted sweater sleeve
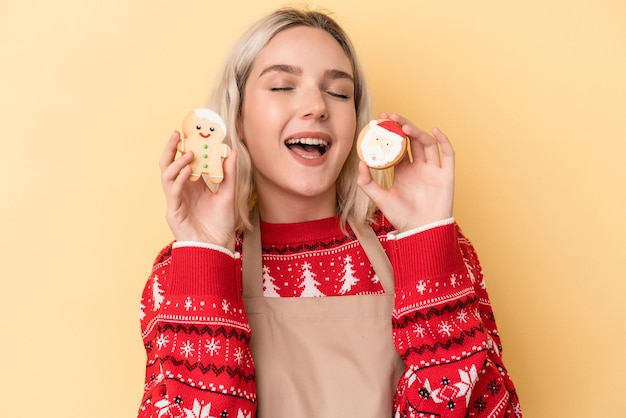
(444, 330)
(196, 337)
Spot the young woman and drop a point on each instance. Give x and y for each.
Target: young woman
(304, 286)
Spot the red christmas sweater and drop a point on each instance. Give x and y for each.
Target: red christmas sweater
(197, 337)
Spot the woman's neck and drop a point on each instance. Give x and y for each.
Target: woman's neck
(290, 209)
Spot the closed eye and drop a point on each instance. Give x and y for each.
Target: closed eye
(337, 95)
(281, 88)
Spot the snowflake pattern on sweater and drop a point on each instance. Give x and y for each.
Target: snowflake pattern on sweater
(197, 337)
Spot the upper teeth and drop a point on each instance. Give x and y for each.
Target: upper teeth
(307, 141)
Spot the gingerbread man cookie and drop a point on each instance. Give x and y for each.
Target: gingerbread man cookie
(203, 133)
(382, 144)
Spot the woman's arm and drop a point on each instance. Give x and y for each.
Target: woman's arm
(444, 329)
(196, 335)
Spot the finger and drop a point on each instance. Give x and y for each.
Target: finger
(173, 171)
(417, 150)
(424, 147)
(169, 152)
(423, 144)
(447, 151)
(180, 180)
(369, 186)
(230, 173)
(431, 148)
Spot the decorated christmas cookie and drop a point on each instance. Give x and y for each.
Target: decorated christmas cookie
(203, 133)
(382, 144)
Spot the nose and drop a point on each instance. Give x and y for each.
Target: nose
(313, 104)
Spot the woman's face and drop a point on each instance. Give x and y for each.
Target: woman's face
(298, 115)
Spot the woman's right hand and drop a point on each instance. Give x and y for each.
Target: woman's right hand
(194, 212)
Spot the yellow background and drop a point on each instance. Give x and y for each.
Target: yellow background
(532, 93)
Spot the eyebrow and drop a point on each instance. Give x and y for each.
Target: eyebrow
(338, 74)
(295, 70)
(282, 68)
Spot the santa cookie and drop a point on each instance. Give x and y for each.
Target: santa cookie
(382, 144)
(203, 133)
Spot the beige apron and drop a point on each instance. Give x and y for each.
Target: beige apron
(322, 357)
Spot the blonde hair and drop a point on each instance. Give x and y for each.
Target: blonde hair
(227, 99)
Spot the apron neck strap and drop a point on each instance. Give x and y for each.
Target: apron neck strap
(251, 258)
(252, 261)
(376, 254)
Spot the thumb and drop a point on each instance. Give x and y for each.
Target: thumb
(230, 172)
(369, 186)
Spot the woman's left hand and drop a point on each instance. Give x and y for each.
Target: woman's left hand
(422, 191)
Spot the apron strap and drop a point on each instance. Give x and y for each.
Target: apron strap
(252, 261)
(251, 258)
(376, 254)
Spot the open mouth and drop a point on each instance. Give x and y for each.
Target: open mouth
(309, 148)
